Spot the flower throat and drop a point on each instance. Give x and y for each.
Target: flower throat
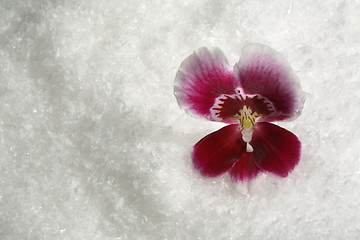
(247, 120)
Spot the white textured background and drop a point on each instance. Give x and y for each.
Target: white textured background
(94, 146)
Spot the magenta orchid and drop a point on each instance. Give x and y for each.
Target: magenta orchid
(261, 88)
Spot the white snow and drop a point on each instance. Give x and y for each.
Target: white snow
(94, 146)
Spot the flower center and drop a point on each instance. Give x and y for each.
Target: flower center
(247, 120)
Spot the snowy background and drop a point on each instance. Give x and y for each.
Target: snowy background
(94, 145)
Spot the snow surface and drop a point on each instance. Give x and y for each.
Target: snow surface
(94, 145)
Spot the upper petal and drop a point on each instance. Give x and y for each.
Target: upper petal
(202, 77)
(261, 70)
(276, 150)
(218, 151)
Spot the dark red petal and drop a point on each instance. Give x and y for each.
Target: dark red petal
(217, 152)
(261, 70)
(244, 169)
(276, 150)
(202, 77)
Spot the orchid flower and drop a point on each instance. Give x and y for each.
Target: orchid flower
(260, 88)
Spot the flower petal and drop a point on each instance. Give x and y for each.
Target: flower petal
(261, 70)
(202, 77)
(244, 169)
(218, 151)
(276, 150)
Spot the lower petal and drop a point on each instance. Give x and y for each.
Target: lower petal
(244, 169)
(217, 152)
(276, 150)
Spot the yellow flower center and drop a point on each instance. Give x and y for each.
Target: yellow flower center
(247, 123)
(247, 118)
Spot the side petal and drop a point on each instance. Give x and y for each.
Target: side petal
(218, 151)
(202, 77)
(261, 70)
(276, 150)
(244, 169)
